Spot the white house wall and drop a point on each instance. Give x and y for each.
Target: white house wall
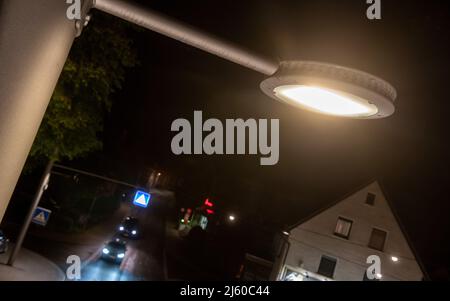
(314, 238)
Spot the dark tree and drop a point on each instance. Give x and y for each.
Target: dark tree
(94, 70)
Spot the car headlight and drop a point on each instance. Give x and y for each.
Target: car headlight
(134, 232)
(121, 255)
(105, 251)
(121, 228)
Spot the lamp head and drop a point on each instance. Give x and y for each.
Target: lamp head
(331, 89)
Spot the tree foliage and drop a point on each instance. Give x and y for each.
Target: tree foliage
(94, 70)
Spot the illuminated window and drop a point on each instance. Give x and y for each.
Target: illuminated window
(377, 239)
(290, 275)
(343, 227)
(370, 199)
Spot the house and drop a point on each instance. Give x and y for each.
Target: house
(335, 243)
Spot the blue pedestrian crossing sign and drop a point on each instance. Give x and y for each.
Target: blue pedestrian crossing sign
(141, 199)
(41, 216)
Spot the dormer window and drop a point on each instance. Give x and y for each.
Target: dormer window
(370, 199)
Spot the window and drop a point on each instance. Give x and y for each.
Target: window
(377, 239)
(370, 199)
(343, 227)
(327, 266)
(291, 275)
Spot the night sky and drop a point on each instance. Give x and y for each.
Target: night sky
(321, 158)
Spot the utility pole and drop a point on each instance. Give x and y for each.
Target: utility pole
(43, 184)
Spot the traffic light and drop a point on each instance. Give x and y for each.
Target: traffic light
(209, 207)
(208, 203)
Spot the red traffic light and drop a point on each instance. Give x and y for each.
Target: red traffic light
(208, 203)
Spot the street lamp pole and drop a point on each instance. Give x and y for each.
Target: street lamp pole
(35, 40)
(184, 33)
(43, 184)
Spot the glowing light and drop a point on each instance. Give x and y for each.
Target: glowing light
(121, 255)
(286, 233)
(209, 211)
(134, 232)
(141, 199)
(105, 251)
(394, 258)
(331, 89)
(326, 101)
(182, 220)
(208, 203)
(121, 228)
(379, 276)
(231, 217)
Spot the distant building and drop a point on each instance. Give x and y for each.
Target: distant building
(255, 268)
(334, 244)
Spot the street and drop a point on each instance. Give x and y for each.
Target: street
(143, 260)
(144, 257)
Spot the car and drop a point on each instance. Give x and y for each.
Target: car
(130, 227)
(114, 251)
(3, 243)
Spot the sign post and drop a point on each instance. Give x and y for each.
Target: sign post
(35, 39)
(32, 212)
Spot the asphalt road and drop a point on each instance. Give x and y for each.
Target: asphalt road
(144, 260)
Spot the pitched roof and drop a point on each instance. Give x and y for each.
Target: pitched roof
(392, 208)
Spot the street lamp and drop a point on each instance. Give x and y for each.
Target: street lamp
(35, 69)
(331, 89)
(318, 87)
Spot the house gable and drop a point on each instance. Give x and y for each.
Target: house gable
(317, 234)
